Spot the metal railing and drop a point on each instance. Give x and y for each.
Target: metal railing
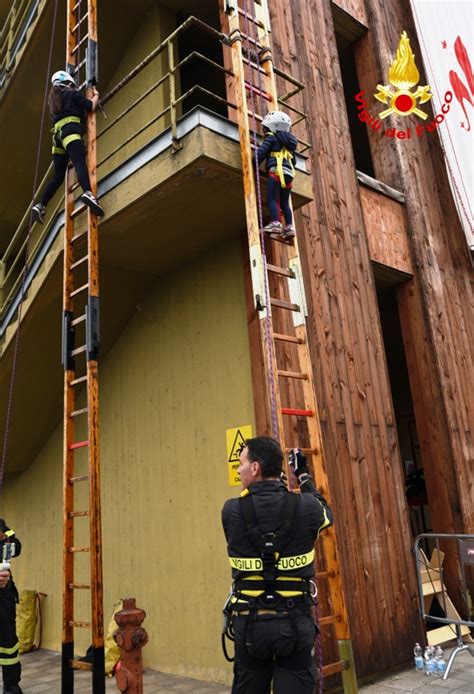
(433, 576)
(172, 107)
(13, 33)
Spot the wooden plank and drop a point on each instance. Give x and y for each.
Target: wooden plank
(387, 231)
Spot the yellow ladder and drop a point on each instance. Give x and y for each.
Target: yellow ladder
(80, 352)
(279, 300)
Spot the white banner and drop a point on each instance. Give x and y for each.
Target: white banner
(446, 35)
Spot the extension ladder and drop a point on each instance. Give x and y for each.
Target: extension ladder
(279, 300)
(81, 327)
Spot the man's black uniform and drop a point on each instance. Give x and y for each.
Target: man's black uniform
(9, 657)
(271, 603)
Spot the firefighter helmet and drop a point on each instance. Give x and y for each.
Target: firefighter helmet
(277, 120)
(62, 77)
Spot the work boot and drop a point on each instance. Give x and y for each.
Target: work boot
(273, 228)
(92, 202)
(38, 211)
(13, 689)
(288, 232)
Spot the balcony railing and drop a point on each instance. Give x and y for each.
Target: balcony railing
(13, 34)
(128, 125)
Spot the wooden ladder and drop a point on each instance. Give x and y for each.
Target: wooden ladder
(79, 353)
(281, 326)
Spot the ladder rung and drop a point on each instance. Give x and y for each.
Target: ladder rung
(80, 625)
(81, 64)
(332, 668)
(286, 272)
(76, 413)
(78, 236)
(296, 412)
(79, 350)
(254, 65)
(331, 619)
(251, 40)
(81, 379)
(81, 665)
(284, 304)
(75, 27)
(78, 320)
(75, 550)
(79, 478)
(293, 374)
(79, 444)
(324, 574)
(79, 262)
(258, 91)
(76, 48)
(79, 586)
(279, 238)
(288, 338)
(252, 18)
(306, 451)
(78, 211)
(77, 514)
(79, 290)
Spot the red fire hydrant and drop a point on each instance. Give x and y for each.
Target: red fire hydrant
(131, 638)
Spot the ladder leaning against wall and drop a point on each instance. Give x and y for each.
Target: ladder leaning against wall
(284, 350)
(80, 353)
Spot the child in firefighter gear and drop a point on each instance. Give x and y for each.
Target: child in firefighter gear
(278, 152)
(68, 108)
(9, 657)
(270, 535)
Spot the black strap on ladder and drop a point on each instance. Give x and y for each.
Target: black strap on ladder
(81, 344)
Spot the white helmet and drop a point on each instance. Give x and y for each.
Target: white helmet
(277, 120)
(62, 77)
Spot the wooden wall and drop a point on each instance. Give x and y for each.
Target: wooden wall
(357, 419)
(437, 309)
(177, 377)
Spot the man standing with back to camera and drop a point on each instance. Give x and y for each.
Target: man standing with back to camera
(270, 535)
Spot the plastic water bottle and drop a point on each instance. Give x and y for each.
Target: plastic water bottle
(431, 662)
(418, 653)
(440, 661)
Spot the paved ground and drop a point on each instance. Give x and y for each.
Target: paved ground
(41, 674)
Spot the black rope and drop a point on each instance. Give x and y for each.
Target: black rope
(27, 253)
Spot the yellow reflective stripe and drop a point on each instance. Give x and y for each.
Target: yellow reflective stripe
(9, 533)
(65, 121)
(280, 156)
(9, 651)
(284, 563)
(10, 661)
(58, 150)
(326, 521)
(246, 563)
(71, 138)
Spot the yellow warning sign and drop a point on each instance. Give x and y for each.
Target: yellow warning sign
(235, 439)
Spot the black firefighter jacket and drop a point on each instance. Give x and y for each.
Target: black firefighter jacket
(296, 559)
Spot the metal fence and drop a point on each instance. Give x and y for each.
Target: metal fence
(433, 581)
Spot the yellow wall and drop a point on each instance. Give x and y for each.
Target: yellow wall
(177, 377)
(157, 24)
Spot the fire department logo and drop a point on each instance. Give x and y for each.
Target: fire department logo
(403, 75)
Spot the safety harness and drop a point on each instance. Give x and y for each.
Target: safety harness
(59, 143)
(267, 589)
(281, 156)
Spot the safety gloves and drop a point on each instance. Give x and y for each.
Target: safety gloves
(298, 462)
